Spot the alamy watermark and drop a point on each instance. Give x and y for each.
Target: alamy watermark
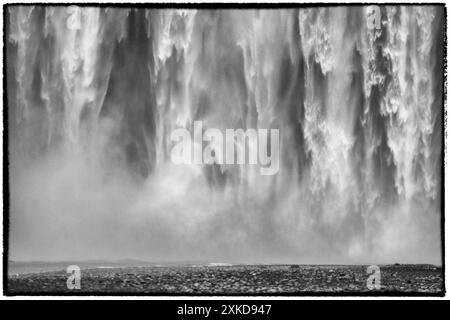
(374, 279)
(238, 147)
(74, 280)
(373, 14)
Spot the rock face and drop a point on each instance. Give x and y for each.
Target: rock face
(238, 279)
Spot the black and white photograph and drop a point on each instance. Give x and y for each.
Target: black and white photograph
(201, 149)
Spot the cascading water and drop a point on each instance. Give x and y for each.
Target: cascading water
(94, 94)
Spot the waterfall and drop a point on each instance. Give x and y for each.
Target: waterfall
(94, 93)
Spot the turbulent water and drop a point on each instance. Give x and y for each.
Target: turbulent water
(94, 94)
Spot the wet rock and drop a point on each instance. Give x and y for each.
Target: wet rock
(237, 279)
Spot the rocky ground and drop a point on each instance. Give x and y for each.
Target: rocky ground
(238, 279)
